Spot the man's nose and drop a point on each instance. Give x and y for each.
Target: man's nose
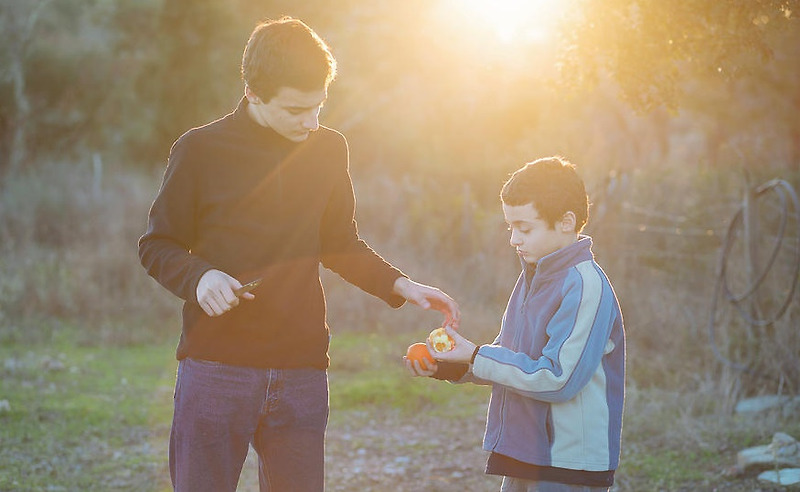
(311, 122)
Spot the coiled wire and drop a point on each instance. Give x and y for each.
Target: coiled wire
(787, 196)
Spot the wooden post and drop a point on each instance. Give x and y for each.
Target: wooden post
(751, 239)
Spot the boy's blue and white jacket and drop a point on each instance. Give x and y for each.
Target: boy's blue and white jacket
(557, 368)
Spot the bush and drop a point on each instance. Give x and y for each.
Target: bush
(69, 253)
(69, 263)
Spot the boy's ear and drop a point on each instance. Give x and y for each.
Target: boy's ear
(568, 222)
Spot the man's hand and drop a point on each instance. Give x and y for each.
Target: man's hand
(428, 297)
(462, 350)
(215, 293)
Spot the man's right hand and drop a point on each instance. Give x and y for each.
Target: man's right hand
(428, 297)
(215, 293)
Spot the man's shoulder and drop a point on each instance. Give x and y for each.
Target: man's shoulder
(198, 143)
(329, 134)
(203, 132)
(326, 144)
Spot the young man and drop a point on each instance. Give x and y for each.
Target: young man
(262, 194)
(557, 368)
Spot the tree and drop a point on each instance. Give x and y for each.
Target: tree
(193, 70)
(18, 20)
(733, 63)
(649, 46)
(62, 70)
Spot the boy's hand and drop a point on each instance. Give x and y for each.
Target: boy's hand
(415, 369)
(215, 293)
(462, 351)
(428, 297)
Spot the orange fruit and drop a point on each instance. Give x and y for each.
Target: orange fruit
(420, 353)
(441, 341)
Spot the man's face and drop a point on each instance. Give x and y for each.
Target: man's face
(293, 114)
(532, 237)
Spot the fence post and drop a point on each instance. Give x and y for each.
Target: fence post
(751, 240)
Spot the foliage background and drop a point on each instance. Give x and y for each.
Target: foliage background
(671, 110)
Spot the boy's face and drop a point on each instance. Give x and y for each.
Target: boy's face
(292, 113)
(532, 237)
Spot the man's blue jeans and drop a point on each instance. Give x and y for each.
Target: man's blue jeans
(220, 410)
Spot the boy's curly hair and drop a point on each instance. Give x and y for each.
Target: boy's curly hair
(554, 188)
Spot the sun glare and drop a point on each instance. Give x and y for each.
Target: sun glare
(512, 21)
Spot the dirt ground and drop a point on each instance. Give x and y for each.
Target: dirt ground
(370, 451)
(418, 454)
(367, 451)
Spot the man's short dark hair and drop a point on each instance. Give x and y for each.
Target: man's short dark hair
(286, 53)
(552, 186)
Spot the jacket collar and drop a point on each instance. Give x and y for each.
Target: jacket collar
(566, 257)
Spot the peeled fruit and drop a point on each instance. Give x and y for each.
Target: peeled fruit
(441, 341)
(420, 353)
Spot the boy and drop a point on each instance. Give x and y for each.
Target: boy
(262, 196)
(557, 367)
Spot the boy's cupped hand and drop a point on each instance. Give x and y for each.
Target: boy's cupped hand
(462, 350)
(415, 368)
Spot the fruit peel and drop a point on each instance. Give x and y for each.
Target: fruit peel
(441, 341)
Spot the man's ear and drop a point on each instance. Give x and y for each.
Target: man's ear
(251, 96)
(568, 222)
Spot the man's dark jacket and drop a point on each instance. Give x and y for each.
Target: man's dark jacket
(240, 198)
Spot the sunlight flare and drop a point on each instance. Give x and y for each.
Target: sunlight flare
(515, 20)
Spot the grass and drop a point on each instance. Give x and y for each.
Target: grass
(83, 418)
(668, 469)
(367, 370)
(97, 418)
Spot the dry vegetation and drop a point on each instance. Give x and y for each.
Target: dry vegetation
(70, 276)
(434, 129)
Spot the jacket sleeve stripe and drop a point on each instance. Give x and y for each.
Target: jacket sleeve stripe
(568, 360)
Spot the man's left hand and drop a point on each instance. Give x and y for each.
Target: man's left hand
(428, 297)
